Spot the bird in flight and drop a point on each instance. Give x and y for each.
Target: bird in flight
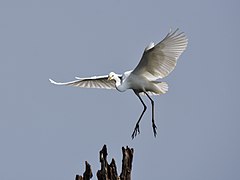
(156, 63)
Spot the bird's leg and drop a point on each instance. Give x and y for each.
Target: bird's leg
(153, 122)
(136, 129)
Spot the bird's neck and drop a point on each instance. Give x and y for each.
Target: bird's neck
(118, 81)
(119, 86)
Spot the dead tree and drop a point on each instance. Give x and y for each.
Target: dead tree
(109, 171)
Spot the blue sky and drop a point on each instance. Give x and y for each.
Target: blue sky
(47, 132)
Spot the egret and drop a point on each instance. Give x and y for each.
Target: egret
(156, 63)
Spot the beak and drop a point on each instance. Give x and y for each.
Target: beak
(109, 78)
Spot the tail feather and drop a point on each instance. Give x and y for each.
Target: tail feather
(161, 88)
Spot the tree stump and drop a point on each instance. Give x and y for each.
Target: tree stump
(87, 174)
(109, 171)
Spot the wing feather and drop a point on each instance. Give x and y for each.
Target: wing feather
(159, 60)
(91, 82)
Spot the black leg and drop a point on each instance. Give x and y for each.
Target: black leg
(153, 123)
(136, 129)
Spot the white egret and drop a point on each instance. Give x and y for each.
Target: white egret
(157, 62)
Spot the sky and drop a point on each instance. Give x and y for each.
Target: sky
(47, 131)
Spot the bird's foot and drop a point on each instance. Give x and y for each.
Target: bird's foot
(136, 131)
(154, 129)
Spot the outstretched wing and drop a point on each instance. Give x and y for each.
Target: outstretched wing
(159, 60)
(91, 82)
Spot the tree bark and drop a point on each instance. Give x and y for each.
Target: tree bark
(126, 163)
(109, 171)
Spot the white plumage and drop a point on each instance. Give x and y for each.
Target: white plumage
(157, 62)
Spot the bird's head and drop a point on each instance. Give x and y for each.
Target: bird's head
(111, 76)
